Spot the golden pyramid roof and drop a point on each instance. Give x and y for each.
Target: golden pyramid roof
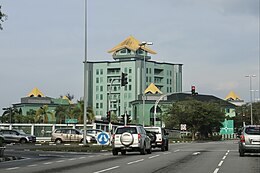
(66, 98)
(35, 93)
(232, 96)
(132, 44)
(153, 89)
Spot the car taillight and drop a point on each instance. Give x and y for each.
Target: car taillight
(242, 138)
(139, 136)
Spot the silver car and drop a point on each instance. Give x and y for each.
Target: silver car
(130, 138)
(249, 140)
(16, 136)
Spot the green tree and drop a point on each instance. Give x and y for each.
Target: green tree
(114, 118)
(78, 112)
(42, 115)
(3, 17)
(203, 117)
(61, 113)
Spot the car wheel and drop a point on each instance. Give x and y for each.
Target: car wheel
(167, 147)
(123, 152)
(241, 153)
(149, 151)
(23, 141)
(114, 152)
(81, 141)
(142, 150)
(58, 141)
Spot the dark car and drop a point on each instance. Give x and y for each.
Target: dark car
(249, 140)
(16, 136)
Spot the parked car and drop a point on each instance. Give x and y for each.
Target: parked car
(249, 140)
(159, 137)
(70, 135)
(130, 138)
(92, 132)
(16, 136)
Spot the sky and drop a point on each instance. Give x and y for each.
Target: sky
(42, 43)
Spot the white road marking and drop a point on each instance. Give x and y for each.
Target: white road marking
(135, 161)
(72, 159)
(216, 170)
(32, 165)
(196, 153)
(224, 157)
(220, 163)
(48, 163)
(167, 153)
(226, 153)
(82, 157)
(176, 151)
(13, 168)
(60, 161)
(153, 156)
(108, 169)
(90, 156)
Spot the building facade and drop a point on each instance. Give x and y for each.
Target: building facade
(104, 78)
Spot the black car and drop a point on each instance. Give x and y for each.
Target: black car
(16, 136)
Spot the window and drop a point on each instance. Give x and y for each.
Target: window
(97, 88)
(97, 105)
(97, 72)
(130, 70)
(101, 96)
(101, 71)
(101, 88)
(97, 80)
(101, 105)
(130, 87)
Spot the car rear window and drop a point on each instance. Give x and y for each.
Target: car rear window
(122, 130)
(157, 130)
(253, 130)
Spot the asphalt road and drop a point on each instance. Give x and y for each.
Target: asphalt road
(208, 157)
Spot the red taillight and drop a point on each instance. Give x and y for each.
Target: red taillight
(139, 136)
(242, 138)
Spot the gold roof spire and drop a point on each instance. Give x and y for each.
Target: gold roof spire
(35, 93)
(132, 44)
(153, 89)
(232, 96)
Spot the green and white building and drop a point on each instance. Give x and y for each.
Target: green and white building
(104, 86)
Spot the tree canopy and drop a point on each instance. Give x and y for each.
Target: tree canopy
(3, 17)
(203, 117)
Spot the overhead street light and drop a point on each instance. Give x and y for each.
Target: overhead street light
(144, 73)
(250, 91)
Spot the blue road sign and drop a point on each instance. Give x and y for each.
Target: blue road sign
(103, 138)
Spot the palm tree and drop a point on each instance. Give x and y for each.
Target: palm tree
(42, 115)
(79, 112)
(61, 113)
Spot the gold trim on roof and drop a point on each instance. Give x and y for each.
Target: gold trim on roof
(66, 98)
(132, 44)
(232, 96)
(35, 93)
(153, 89)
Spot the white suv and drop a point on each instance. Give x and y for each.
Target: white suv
(130, 138)
(159, 137)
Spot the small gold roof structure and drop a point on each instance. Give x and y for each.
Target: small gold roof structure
(232, 96)
(152, 89)
(132, 44)
(35, 93)
(66, 98)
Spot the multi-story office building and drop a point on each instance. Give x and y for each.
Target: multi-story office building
(105, 91)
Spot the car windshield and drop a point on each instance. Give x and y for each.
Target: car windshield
(253, 130)
(122, 130)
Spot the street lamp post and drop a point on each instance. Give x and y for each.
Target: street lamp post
(85, 77)
(144, 74)
(250, 90)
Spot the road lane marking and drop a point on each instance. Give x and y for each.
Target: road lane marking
(153, 156)
(48, 163)
(82, 157)
(32, 165)
(196, 153)
(224, 157)
(216, 170)
(135, 161)
(167, 153)
(220, 163)
(176, 151)
(60, 161)
(13, 168)
(108, 169)
(72, 159)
